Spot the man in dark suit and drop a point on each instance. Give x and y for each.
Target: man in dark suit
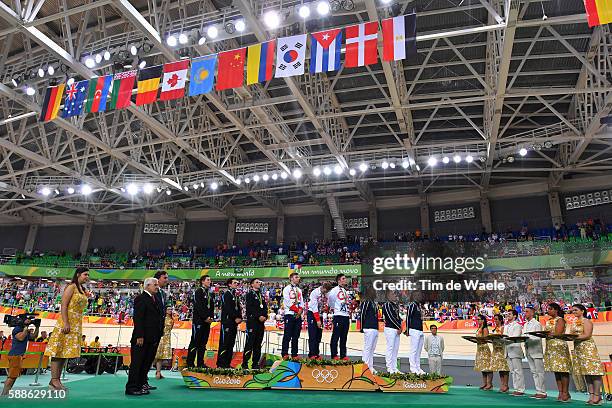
(162, 300)
(203, 313)
(231, 316)
(145, 337)
(256, 316)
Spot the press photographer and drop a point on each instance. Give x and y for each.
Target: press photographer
(21, 336)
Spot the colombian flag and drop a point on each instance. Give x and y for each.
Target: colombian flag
(52, 102)
(148, 83)
(599, 12)
(259, 62)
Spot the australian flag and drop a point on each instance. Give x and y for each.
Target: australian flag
(75, 99)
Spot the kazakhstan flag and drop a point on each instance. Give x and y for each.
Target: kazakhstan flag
(202, 75)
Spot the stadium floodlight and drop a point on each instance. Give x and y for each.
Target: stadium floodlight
(240, 26)
(212, 32)
(457, 158)
(469, 158)
(432, 161)
(274, 176)
(352, 172)
(323, 8)
(363, 167)
(45, 191)
(265, 177)
(133, 50)
(316, 172)
(107, 55)
(171, 40)
(304, 11)
(284, 175)
(98, 58)
(327, 171)
(247, 180)
(132, 189)
(256, 178)
(214, 185)
(338, 169)
(405, 163)
(445, 160)
(297, 173)
(384, 165)
(183, 39)
(238, 181)
(86, 189)
(30, 91)
(41, 72)
(148, 188)
(50, 70)
(70, 190)
(272, 19)
(168, 192)
(523, 151)
(90, 62)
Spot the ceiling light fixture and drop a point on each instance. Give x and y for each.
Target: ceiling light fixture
(271, 19)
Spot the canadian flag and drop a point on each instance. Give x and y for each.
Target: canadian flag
(361, 44)
(399, 37)
(173, 81)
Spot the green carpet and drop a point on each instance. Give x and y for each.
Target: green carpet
(87, 391)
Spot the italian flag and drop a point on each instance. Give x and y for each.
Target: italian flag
(399, 37)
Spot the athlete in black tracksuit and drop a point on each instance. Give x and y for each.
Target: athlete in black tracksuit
(231, 316)
(203, 315)
(256, 316)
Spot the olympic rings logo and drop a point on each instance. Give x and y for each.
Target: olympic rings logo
(324, 375)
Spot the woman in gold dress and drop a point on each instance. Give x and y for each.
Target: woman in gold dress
(164, 350)
(587, 362)
(498, 356)
(482, 362)
(65, 342)
(557, 356)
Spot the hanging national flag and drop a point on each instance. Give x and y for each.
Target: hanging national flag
(361, 45)
(259, 62)
(231, 69)
(599, 12)
(173, 81)
(202, 75)
(51, 103)
(123, 84)
(399, 37)
(98, 93)
(148, 83)
(290, 56)
(75, 99)
(325, 50)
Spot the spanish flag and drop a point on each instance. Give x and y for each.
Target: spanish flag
(51, 104)
(599, 12)
(260, 60)
(148, 83)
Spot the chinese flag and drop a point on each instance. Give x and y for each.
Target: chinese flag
(231, 69)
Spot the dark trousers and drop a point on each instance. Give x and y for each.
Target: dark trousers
(227, 339)
(339, 333)
(151, 359)
(291, 334)
(252, 349)
(197, 344)
(314, 336)
(142, 357)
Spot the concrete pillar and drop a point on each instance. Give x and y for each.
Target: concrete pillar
(327, 226)
(31, 239)
(485, 214)
(555, 208)
(425, 231)
(138, 231)
(231, 230)
(373, 222)
(280, 229)
(86, 235)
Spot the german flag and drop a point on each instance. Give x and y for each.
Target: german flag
(599, 12)
(51, 104)
(148, 83)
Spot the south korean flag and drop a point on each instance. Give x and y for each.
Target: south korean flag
(290, 56)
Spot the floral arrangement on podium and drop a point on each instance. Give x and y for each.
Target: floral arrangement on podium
(429, 383)
(224, 378)
(310, 374)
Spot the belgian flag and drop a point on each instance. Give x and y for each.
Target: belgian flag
(148, 84)
(51, 104)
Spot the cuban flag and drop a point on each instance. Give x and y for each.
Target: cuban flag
(325, 51)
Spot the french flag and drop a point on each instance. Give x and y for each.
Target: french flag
(325, 51)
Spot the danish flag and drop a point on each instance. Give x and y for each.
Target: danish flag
(361, 44)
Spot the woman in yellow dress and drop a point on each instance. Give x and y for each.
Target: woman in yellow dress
(482, 362)
(587, 362)
(164, 350)
(65, 342)
(498, 356)
(557, 356)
